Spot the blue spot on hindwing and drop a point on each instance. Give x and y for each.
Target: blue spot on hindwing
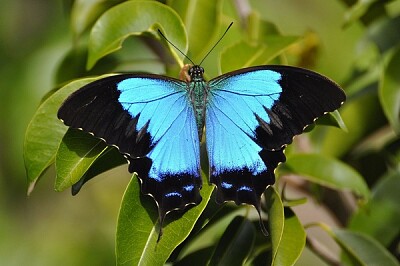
(188, 188)
(173, 194)
(245, 188)
(226, 185)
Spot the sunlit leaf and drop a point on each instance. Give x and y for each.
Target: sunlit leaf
(45, 132)
(276, 219)
(85, 12)
(127, 19)
(138, 227)
(77, 152)
(107, 160)
(286, 232)
(292, 242)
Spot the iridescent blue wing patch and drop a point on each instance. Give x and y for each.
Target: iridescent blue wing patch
(251, 115)
(151, 120)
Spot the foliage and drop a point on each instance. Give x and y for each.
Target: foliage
(356, 169)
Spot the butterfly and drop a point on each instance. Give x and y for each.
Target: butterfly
(157, 122)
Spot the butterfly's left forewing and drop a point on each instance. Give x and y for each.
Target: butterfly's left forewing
(251, 115)
(239, 166)
(151, 120)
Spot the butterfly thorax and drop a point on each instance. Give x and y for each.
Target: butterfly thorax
(197, 88)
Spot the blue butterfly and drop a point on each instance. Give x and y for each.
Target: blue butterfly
(157, 122)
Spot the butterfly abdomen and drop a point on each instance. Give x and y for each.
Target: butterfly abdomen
(198, 97)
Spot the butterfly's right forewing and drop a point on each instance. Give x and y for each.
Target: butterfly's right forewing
(151, 121)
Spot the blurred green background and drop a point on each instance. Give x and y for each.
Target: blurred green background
(49, 228)
(46, 228)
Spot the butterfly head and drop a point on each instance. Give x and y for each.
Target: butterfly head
(196, 73)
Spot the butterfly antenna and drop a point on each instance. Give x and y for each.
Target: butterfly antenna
(165, 38)
(216, 43)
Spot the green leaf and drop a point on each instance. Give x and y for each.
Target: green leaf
(73, 65)
(287, 233)
(358, 10)
(235, 244)
(259, 30)
(201, 19)
(244, 54)
(198, 258)
(357, 113)
(77, 152)
(85, 12)
(380, 217)
(383, 33)
(138, 228)
(332, 119)
(276, 219)
(44, 133)
(389, 90)
(107, 160)
(128, 19)
(210, 234)
(292, 242)
(238, 55)
(328, 172)
(362, 248)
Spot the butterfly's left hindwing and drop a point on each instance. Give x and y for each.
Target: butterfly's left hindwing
(251, 115)
(151, 120)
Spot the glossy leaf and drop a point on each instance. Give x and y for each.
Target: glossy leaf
(85, 12)
(77, 152)
(328, 172)
(276, 219)
(107, 160)
(235, 244)
(45, 131)
(389, 91)
(363, 249)
(286, 232)
(126, 19)
(292, 242)
(138, 228)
